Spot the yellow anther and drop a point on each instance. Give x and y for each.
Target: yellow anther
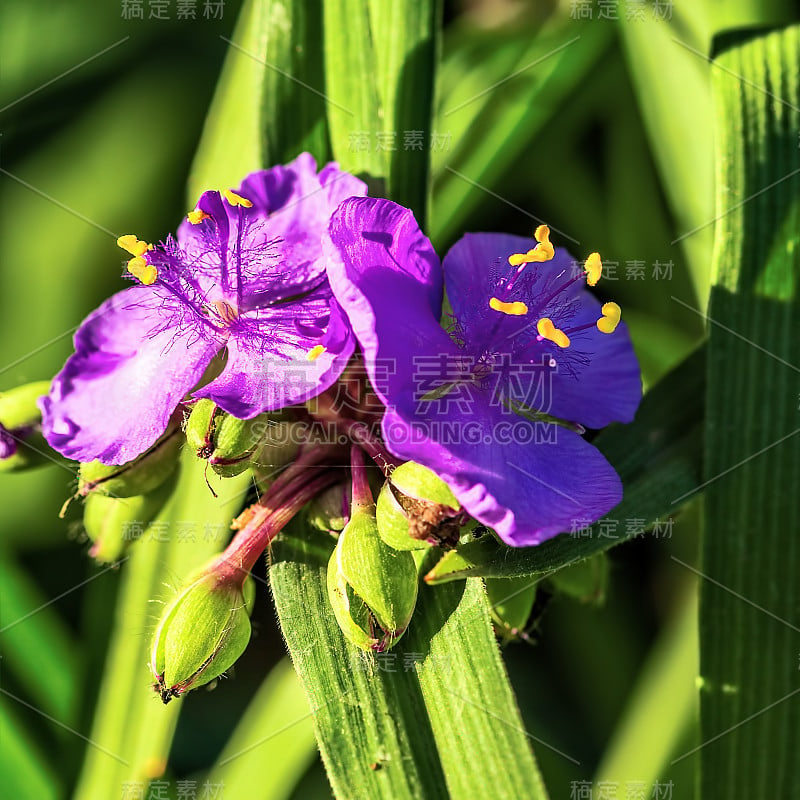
(611, 315)
(139, 268)
(549, 331)
(197, 216)
(236, 199)
(516, 309)
(542, 252)
(315, 352)
(542, 234)
(593, 269)
(136, 247)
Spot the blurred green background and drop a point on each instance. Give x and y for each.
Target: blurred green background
(592, 116)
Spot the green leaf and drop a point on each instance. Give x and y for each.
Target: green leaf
(132, 732)
(468, 698)
(269, 103)
(380, 66)
(354, 103)
(749, 599)
(495, 97)
(29, 624)
(371, 724)
(664, 691)
(276, 729)
(405, 723)
(405, 39)
(26, 771)
(658, 458)
(674, 47)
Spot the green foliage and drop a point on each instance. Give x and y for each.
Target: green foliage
(604, 130)
(748, 599)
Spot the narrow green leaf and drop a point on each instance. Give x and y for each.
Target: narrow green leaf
(371, 723)
(748, 603)
(232, 142)
(354, 103)
(26, 772)
(658, 458)
(269, 104)
(405, 41)
(405, 723)
(656, 47)
(664, 691)
(468, 697)
(491, 108)
(30, 625)
(132, 731)
(276, 730)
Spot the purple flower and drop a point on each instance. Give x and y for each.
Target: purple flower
(524, 336)
(8, 443)
(243, 280)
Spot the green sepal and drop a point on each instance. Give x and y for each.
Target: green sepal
(383, 579)
(585, 581)
(202, 632)
(232, 445)
(412, 505)
(393, 522)
(114, 523)
(18, 408)
(511, 603)
(140, 476)
(20, 416)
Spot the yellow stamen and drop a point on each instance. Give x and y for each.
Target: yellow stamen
(139, 268)
(236, 199)
(315, 352)
(516, 309)
(549, 331)
(611, 316)
(136, 247)
(593, 269)
(197, 216)
(542, 252)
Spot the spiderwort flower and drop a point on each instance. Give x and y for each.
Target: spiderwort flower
(524, 336)
(244, 279)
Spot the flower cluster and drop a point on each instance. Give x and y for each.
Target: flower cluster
(293, 322)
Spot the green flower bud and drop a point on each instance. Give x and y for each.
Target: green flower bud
(232, 445)
(203, 630)
(327, 511)
(22, 445)
(416, 508)
(140, 476)
(113, 523)
(372, 587)
(585, 581)
(511, 603)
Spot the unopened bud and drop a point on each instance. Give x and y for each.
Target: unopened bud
(114, 523)
(327, 511)
(585, 581)
(140, 476)
(232, 445)
(202, 632)
(22, 445)
(511, 604)
(372, 587)
(416, 508)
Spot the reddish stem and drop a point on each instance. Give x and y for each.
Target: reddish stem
(362, 499)
(253, 539)
(361, 435)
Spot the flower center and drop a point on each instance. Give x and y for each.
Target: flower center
(503, 303)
